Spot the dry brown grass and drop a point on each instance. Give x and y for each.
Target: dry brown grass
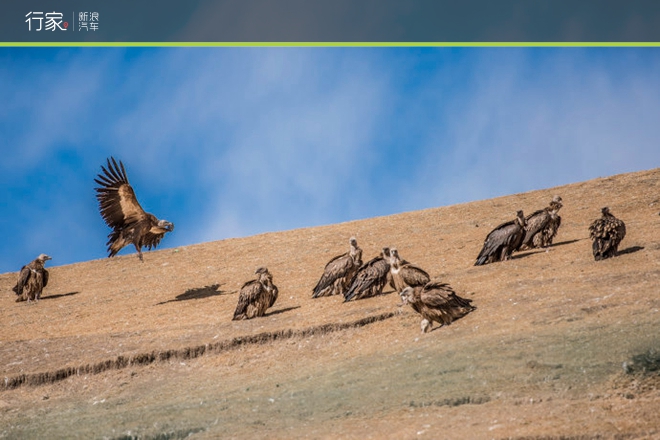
(120, 348)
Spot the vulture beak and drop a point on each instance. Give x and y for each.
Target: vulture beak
(169, 227)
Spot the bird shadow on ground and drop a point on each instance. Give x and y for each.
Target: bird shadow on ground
(527, 254)
(277, 312)
(631, 250)
(59, 295)
(561, 243)
(197, 293)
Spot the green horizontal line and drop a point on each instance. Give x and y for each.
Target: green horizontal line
(327, 44)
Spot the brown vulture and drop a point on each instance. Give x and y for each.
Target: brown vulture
(370, 278)
(256, 296)
(339, 272)
(606, 234)
(405, 274)
(122, 212)
(541, 226)
(503, 241)
(436, 301)
(32, 279)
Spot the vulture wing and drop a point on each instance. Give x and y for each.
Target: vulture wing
(250, 294)
(335, 269)
(371, 274)
(23, 277)
(413, 275)
(117, 201)
(151, 239)
(438, 295)
(499, 236)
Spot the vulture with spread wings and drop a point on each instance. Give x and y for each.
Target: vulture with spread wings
(122, 212)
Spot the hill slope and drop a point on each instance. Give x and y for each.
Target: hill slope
(117, 347)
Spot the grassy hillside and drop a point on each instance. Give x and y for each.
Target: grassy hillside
(120, 348)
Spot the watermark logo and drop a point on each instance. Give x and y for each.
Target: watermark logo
(51, 21)
(54, 21)
(88, 21)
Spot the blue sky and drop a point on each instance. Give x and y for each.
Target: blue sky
(228, 142)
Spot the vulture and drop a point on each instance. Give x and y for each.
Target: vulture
(503, 241)
(32, 279)
(122, 212)
(405, 274)
(436, 301)
(541, 226)
(256, 296)
(370, 278)
(339, 272)
(606, 234)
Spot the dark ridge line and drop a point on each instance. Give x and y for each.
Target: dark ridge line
(121, 361)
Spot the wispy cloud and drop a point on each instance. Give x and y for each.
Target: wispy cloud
(533, 119)
(229, 142)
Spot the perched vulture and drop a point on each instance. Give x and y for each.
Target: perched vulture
(503, 241)
(541, 226)
(436, 301)
(32, 279)
(405, 274)
(370, 278)
(606, 234)
(122, 212)
(256, 296)
(339, 272)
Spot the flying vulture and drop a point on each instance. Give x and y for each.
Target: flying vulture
(370, 278)
(606, 234)
(541, 226)
(256, 296)
(405, 274)
(436, 301)
(503, 241)
(123, 213)
(339, 272)
(32, 279)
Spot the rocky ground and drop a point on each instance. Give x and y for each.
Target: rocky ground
(560, 346)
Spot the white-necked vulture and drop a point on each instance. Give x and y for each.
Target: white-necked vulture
(256, 296)
(32, 279)
(370, 278)
(122, 212)
(541, 226)
(436, 301)
(406, 274)
(503, 241)
(339, 272)
(606, 234)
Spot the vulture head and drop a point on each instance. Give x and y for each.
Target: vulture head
(353, 242)
(43, 258)
(606, 211)
(521, 218)
(165, 225)
(385, 253)
(394, 256)
(406, 295)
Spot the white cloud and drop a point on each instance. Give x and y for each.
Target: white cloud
(524, 124)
